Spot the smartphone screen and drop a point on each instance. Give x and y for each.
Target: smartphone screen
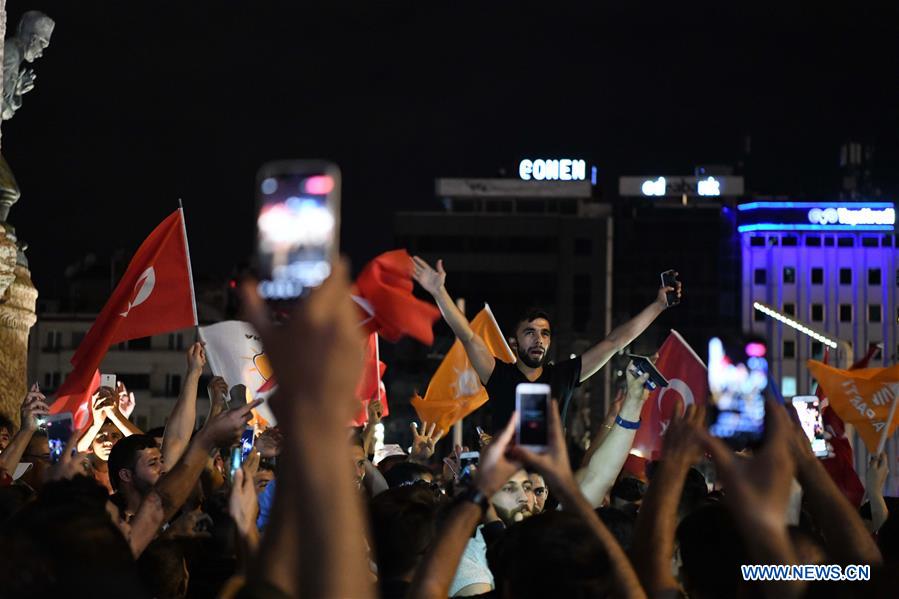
(108, 380)
(246, 443)
(297, 226)
(643, 365)
(738, 377)
(808, 408)
(468, 461)
(532, 408)
(669, 279)
(59, 430)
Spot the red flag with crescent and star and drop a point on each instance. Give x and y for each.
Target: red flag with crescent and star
(688, 383)
(154, 296)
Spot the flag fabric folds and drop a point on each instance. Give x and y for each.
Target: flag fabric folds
(688, 383)
(861, 397)
(371, 387)
(455, 390)
(235, 353)
(384, 292)
(155, 295)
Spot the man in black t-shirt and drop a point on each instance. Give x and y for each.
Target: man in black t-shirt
(531, 342)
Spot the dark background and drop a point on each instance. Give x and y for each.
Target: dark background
(138, 104)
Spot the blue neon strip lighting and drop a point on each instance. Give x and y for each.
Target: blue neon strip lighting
(850, 205)
(811, 227)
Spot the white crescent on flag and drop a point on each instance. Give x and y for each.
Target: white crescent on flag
(142, 289)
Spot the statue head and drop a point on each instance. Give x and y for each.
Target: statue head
(34, 31)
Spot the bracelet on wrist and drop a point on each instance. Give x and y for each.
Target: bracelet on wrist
(474, 495)
(628, 424)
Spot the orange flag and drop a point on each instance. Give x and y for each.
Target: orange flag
(455, 390)
(861, 397)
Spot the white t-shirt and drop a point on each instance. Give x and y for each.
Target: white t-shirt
(473, 567)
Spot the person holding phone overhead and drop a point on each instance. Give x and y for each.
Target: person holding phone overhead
(531, 341)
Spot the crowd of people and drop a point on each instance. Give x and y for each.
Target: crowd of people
(309, 513)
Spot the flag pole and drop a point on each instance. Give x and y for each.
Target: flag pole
(886, 429)
(457, 428)
(190, 272)
(378, 362)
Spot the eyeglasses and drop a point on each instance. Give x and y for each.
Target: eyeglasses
(434, 487)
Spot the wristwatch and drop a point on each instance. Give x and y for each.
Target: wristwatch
(474, 495)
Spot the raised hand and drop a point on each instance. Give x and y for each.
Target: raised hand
(682, 440)
(424, 443)
(192, 524)
(218, 391)
(70, 463)
(877, 472)
(430, 280)
(552, 464)
(662, 297)
(268, 444)
(126, 401)
(224, 430)
(494, 467)
(196, 357)
(375, 411)
(103, 403)
(33, 406)
(316, 354)
(243, 505)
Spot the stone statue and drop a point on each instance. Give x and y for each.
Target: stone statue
(17, 293)
(31, 39)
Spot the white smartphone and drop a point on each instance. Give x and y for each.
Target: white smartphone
(297, 226)
(108, 380)
(808, 407)
(532, 405)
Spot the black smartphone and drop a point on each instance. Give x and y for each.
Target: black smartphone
(532, 404)
(644, 365)
(59, 430)
(297, 226)
(738, 377)
(237, 396)
(669, 279)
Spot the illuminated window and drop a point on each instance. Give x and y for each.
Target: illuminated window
(874, 313)
(817, 276)
(788, 386)
(789, 349)
(873, 276)
(845, 276)
(845, 312)
(789, 274)
(761, 276)
(817, 312)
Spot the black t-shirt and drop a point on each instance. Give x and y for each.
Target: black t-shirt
(562, 378)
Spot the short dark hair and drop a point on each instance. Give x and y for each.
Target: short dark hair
(161, 568)
(6, 423)
(530, 315)
(405, 473)
(404, 525)
(568, 548)
(620, 524)
(629, 489)
(712, 551)
(124, 455)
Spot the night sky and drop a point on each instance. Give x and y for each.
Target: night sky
(140, 103)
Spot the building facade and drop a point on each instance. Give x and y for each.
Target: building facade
(517, 244)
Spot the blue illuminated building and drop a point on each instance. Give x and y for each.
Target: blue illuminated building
(830, 265)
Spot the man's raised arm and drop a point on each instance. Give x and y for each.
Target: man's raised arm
(620, 337)
(433, 281)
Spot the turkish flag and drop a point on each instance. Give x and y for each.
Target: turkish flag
(384, 291)
(78, 403)
(371, 387)
(155, 295)
(688, 383)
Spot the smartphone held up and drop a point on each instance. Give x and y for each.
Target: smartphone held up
(736, 413)
(59, 429)
(808, 409)
(532, 405)
(297, 228)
